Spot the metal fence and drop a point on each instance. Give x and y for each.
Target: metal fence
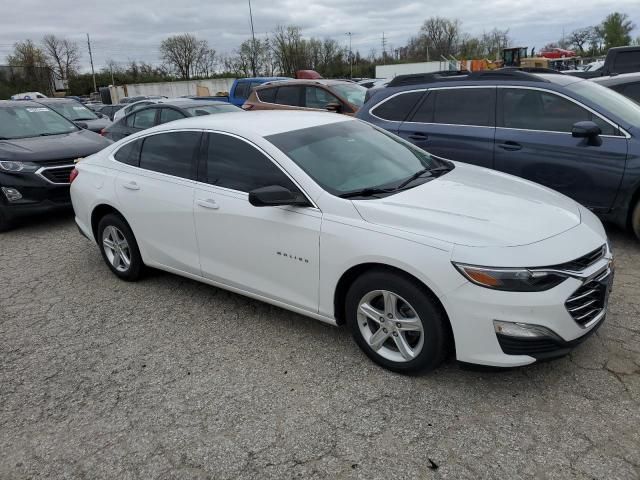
(25, 79)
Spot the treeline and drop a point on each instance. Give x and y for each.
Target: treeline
(285, 51)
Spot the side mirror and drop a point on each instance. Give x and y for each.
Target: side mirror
(586, 129)
(82, 125)
(275, 195)
(334, 107)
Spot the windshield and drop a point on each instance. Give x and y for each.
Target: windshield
(350, 156)
(209, 109)
(27, 121)
(73, 111)
(609, 99)
(354, 94)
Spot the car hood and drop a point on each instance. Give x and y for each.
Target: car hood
(65, 146)
(475, 207)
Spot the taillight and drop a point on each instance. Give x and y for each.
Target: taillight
(247, 106)
(103, 132)
(73, 175)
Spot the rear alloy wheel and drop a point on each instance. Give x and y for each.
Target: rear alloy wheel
(119, 248)
(635, 220)
(396, 322)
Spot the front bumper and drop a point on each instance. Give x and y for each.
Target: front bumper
(38, 195)
(473, 310)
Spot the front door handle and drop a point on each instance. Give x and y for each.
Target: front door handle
(131, 185)
(510, 146)
(208, 203)
(419, 137)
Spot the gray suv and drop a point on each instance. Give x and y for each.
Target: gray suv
(569, 134)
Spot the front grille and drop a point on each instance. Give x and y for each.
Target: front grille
(588, 302)
(583, 262)
(57, 174)
(54, 163)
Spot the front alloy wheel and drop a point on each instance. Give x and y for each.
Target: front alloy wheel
(397, 321)
(390, 326)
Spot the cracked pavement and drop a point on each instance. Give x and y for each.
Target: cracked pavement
(168, 378)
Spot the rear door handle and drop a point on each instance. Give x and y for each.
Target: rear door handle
(208, 203)
(131, 185)
(510, 146)
(419, 137)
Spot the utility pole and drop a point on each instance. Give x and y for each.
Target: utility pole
(350, 56)
(93, 72)
(384, 50)
(253, 47)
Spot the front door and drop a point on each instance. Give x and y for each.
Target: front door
(455, 123)
(534, 141)
(268, 251)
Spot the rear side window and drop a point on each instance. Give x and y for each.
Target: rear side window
(233, 163)
(169, 115)
(267, 95)
(288, 96)
(242, 90)
(397, 108)
(129, 153)
(144, 119)
(171, 153)
(626, 62)
(465, 106)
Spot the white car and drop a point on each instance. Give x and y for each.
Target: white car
(28, 96)
(340, 221)
(132, 107)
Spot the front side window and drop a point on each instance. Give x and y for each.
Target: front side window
(349, 156)
(538, 110)
(316, 97)
(233, 163)
(608, 99)
(169, 115)
(288, 96)
(144, 118)
(397, 109)
(351, 92)
(171, 153)
(27, 121)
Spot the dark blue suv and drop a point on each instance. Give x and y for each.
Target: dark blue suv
(567, 133)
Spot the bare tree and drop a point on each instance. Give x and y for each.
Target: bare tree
(64, 55)
(27, 54)
(182, 53)
(580, 37)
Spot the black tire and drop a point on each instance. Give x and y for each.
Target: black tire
(434, 322)
(635, 220)
(136, 267)
(5, 224)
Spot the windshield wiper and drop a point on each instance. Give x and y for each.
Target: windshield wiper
(366, 192)
(434, 172)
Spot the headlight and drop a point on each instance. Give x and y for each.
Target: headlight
(511, 279)
(9, 166)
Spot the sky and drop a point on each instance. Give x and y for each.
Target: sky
(124, 30)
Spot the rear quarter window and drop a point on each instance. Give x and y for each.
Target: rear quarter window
(397, 108)
(129, 153)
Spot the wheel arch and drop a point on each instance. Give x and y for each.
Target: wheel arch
(100, 211)
(635, 198)
(349, 276)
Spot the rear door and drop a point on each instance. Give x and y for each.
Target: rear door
(457, 123)
(534, 141)
(155, 189)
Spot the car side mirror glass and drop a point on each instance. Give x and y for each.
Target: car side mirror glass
(586, 129)
(275, 195)
(334, 107)
(82, 125)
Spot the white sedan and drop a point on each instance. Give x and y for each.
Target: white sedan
(340, 221)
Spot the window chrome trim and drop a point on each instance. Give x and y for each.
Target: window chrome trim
(385, 100)
(43, 169)
(625, 134)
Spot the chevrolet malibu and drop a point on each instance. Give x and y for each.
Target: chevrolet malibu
(343, 222)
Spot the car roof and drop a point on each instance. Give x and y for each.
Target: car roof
(261, 122)
(56, 100)
(19, 103)
(617, 79)
(307, 81)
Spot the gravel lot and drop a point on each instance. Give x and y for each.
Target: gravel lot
(168, 378)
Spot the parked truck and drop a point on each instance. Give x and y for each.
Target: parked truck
(618, 60)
